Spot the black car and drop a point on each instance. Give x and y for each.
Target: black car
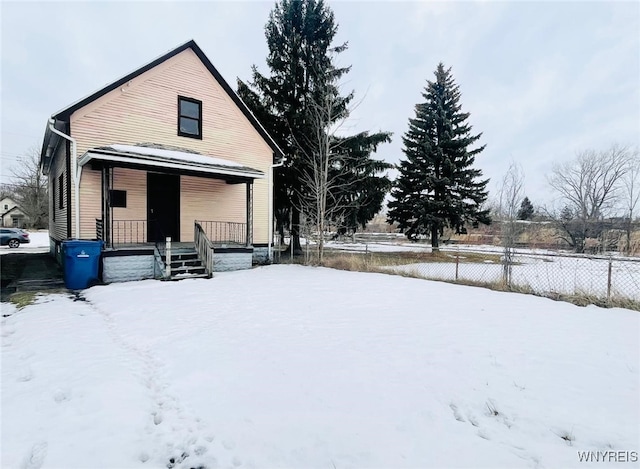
(13, 237)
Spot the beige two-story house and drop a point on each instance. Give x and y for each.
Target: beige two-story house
(167, 156)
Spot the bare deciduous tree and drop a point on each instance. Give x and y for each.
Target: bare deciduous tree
(510, 198)
(323, 159)
(631, 194)
(29, 189)
(588, 187)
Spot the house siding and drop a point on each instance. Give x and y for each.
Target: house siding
(58, 228)
(209, 199)
(145, 111)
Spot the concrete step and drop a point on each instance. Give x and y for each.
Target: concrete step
(181, 256)
(188, 270)
(184, 276)
(185, 263)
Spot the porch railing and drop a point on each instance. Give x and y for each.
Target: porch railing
(223, 232)
(204, 247)
(129, 232)
(99, 229)
(162, 251)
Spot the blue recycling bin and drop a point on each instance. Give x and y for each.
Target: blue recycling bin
(81, 262)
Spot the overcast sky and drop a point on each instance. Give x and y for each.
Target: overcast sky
(542, 80)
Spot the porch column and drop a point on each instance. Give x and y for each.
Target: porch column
(106, 206)
(249, 213)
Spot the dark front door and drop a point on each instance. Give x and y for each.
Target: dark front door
(163, 206)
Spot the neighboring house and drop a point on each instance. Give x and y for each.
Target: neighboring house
(11, 215)
(168, 151)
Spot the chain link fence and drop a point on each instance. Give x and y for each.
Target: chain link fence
(590, 277)
(584, 279)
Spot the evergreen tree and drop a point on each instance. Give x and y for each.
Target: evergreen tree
(361, 190)
(300, 36)
(526, 210)
(438, 186)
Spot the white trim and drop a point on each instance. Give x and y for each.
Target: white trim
(150, 161)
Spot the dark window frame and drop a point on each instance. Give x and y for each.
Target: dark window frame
(60, 191)
(53, 199)
(198, 120)
(117, 198)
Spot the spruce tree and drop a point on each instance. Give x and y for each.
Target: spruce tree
(361, 190)
(438, 186)
(301, 62)
(526, 210)
(299, 37)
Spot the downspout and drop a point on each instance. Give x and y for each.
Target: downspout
(75, 175)
(271, 212)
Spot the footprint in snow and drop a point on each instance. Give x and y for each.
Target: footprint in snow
(25, 375)
(457, 413)
(35, 457)
(61, 395)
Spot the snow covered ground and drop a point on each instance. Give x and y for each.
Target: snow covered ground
(542, 270)
(296, 367)
(39, 243)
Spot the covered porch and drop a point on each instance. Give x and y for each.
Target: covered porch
(165, 212)
(151, 193)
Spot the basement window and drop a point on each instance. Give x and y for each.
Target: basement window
(189, 117)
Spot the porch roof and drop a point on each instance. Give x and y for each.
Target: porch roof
(149, 156)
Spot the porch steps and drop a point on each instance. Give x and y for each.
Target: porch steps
(186, 264)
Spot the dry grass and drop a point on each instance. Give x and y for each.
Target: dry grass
(22, 299)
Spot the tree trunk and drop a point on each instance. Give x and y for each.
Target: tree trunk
(434, 239)
(294, 239)
(628, 249)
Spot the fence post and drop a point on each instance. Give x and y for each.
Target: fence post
(167, 263)
(609, 278)
(457, 261)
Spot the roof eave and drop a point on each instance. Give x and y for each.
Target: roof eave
(146, 160)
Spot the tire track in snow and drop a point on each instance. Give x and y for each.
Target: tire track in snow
(180, 439)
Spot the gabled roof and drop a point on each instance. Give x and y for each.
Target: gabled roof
(16, 208)
(65, 113)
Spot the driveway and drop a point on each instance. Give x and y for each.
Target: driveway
(28, 271)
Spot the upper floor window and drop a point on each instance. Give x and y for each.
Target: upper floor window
(189, 117)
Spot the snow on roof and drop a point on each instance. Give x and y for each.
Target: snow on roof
(182, 155)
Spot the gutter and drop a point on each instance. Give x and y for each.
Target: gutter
(270, 211)
(75, 174)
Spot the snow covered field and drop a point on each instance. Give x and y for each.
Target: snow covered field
(544, 274)
(542, 270)
(296, 367)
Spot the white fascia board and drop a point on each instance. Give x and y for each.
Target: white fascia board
(88, 156)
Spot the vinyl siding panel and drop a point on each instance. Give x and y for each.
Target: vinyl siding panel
(135, 183)
(145, 111)
(58, 228)
(209, 199)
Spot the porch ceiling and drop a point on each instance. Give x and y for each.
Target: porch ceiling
(172, 160)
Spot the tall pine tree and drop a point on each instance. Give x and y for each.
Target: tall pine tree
(300, 36)
(438, 186)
